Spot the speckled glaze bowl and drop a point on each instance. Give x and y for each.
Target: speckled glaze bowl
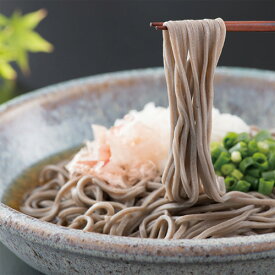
(56, 118)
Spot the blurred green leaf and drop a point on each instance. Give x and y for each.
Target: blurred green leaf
(6, 54)
(6, 90)
(23, 62)
(31, 20)
(35, 43)
(3, 20)
(17, 38)
(6, 70)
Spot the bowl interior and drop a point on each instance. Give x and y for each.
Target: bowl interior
(57, 118)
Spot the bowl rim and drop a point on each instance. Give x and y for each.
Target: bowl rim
(130, 248)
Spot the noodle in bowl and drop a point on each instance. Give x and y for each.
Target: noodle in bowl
(132, 180)
(52, 248)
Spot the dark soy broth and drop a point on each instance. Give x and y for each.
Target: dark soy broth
(28, 180)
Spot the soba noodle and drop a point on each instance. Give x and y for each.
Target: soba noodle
(142, 210)
(187, 201)
(191, 53)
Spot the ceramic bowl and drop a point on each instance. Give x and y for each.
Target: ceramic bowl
(57, 118)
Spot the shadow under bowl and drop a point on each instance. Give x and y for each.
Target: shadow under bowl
(57, 118)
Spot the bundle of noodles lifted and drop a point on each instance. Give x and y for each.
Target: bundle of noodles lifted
(152, 174)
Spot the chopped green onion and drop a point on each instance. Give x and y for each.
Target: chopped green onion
(236, 156)
(269, 175)
(242, 186)
(262, 135)
(271, 144)
(261, 161)
(229, 182)
(270, 140)
(218, 173)
(243, 137)
(266, 186)
(214, 145)
(245, 163)
(230, 140)
(252, 146)
(240, 147)
(253, 181)
(236, 174)
(259, 158)
(215, 153)
(263, 146)
(254, 172)
(226, 169)
(263, 166)
(223, 158)
(271, 161)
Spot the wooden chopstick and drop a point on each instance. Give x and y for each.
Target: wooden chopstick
(235, 26)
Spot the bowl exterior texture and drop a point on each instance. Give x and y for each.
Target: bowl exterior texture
(57, 118)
